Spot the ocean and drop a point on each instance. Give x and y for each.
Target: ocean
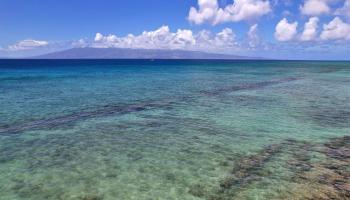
(174, 129)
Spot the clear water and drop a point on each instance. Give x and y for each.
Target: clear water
(171, 129)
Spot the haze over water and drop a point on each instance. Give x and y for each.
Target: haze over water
(136, 129)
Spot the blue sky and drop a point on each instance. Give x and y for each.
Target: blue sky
(290, 29)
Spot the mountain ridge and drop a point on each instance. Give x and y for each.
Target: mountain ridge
(127, 53)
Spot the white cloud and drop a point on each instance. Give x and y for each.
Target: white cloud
(80, 43)
(286, 31)
(209, 11)
(315, 7)
(310, 29)
(98, 37)
(222, 41)
(182, 38)
(336, 30)
(160, 38)
(225, 37)
(345, 10)
(28, 44)
(253, 37)
(163, 38)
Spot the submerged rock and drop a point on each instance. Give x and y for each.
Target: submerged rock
(320, 179)
(331, 177)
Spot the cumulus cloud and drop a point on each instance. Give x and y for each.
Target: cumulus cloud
(286, 31)
(336, 30)
(163, 38)
(310, 29)
(207, 11)
(210, 12)
(315, 7)
(345, 10)
(98, 37)
(28, 44)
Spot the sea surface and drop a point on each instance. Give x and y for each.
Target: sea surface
(174, 129)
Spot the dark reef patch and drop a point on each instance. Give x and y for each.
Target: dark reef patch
(331, 117)
(106, 110)
(247, 169)
(329, 179)
(329, 70)
(324, 179)
(249, 86)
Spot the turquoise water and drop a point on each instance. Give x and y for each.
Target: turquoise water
(136, 129)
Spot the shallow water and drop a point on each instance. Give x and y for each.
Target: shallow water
(134, 129)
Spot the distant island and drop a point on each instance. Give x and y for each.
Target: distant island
(124, 53)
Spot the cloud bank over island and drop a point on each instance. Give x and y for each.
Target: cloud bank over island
(163, 38)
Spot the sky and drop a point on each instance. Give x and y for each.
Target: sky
(279, 29)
